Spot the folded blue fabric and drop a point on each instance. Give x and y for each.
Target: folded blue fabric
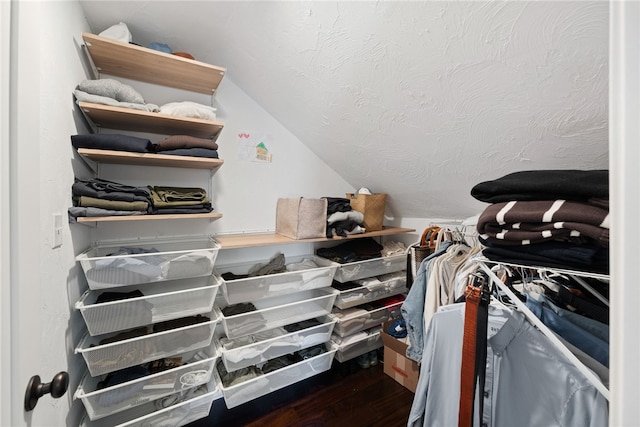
(397, 329)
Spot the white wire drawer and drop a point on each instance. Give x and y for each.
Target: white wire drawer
(242, 392)
(112, 352)
(303, 273)
(110, 311)
(370, 289)
(269, 313)
(357, 344)
(189, 406)
(112, 393)
(144, 261)
(371, 267)
(258, 348)
(366, 316)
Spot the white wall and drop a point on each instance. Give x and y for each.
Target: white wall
(46, 281)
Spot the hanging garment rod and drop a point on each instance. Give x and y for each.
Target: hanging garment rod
(593, 378)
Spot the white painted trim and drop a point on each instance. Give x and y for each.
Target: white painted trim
(5, 222)
(624, 166)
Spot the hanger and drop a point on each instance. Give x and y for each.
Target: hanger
(588, 373)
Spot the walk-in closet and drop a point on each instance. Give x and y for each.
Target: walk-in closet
(363, 213)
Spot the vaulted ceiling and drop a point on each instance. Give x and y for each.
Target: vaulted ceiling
(420, 100)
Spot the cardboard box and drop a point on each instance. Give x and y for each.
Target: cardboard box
(301, 218)
(396, 364)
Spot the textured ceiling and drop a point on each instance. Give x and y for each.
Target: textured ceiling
(420, 100)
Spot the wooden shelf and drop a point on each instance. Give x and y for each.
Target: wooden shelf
(143, 121)
(87, 219)
(149, 159)
(236, 241)
(148, 65)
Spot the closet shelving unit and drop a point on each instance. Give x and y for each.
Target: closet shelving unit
(139, 63)
(486, 264)
(175, 291)
(281, 299)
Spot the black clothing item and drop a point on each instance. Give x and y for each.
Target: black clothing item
(578, 185)
(191, 152)
(305, 324)
(352, 250)
(110, 190)
(337, 204)
(179, 323)
(234, 309)
(311, 351)
(600, 262)
(117, 296)
(201, 208)
(341, 228)
(231, 276)
(116, 142)
(344, 286)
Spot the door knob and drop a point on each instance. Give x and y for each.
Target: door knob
(35, 389)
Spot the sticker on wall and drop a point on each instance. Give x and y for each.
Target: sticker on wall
(254, 147)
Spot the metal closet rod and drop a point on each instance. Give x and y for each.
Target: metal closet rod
(592, 377)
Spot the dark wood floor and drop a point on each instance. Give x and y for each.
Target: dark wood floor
(346, 395)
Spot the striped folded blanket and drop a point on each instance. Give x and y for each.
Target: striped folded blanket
(529, 222)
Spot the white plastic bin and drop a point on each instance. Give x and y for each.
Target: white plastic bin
(356, 319)
(113, 356)
(278, 311)
(385, 286)
(253, 288)
(186, 410)
(256, 349)
(162, 301)
(349, 349)
(371, 267)
(252, 389)
(136, 262)
(106, 401)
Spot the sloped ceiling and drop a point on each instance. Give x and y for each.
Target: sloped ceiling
(420, 100)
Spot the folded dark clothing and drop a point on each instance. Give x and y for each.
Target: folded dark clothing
(525, 222)
(234, 309)
(277, 363)
(191, 152)
(133, 333)
(117, 296)
(162, 196)
(117, 142)
(109, 190)
(176, 142)
(600, 263)
(116, 205)
(337, 204)
(344, 286)
(202, 208)
(179, 323)
(352, 250)
(579, 185)
(583, 254)
(305, 324)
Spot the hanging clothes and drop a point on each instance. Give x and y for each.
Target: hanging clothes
(528, 380)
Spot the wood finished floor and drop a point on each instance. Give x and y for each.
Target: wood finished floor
(344, 396)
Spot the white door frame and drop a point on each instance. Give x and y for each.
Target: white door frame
(5, 216)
